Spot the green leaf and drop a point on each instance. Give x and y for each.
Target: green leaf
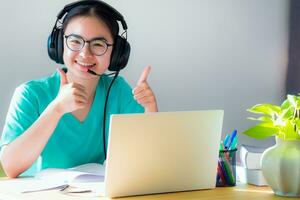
(286, 104)
(294, 101)
(262, 131)
(297, 122)
(268, 109)
(289, 131)
(287, 113)
(262, 119)
(297, 134)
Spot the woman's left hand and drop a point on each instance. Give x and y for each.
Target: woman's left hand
(143, 94)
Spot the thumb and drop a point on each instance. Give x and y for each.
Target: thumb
(63, 77)
(144, 75)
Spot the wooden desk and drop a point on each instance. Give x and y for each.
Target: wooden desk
(239, 192)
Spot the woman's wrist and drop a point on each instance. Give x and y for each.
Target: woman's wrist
(151, 108)
(56, 109)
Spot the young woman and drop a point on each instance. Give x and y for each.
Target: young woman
(59, 121)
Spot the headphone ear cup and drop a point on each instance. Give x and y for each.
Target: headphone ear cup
(120, 54)
(51, 44)
(60, 47)
(55, 46)
(124, 57)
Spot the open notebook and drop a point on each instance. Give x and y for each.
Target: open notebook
(55, 178)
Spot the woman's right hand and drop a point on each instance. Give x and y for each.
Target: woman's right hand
(71, 96)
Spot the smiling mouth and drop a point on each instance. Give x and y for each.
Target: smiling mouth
(85, 65)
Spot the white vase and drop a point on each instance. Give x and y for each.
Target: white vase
(281, 167)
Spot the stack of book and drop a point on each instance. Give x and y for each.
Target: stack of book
(249, 171)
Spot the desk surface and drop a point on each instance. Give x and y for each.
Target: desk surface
(241, 191)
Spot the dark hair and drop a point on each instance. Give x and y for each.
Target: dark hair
(93, 11)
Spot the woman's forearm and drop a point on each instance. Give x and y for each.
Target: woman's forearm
(20, 154)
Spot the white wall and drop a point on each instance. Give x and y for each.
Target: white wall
(206, 54)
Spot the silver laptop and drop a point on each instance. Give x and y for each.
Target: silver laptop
(162, 152)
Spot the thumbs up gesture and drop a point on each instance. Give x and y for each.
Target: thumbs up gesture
(143, 94)
(71, 96)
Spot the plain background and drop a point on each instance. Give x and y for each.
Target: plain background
(205, 54)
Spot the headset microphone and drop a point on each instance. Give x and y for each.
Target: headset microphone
(94, 73)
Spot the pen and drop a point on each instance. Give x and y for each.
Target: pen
(228, 171)
(61, 188)
(81, 191)
(233, 144)
(232, 136)
(221, 146)
(221, 173)
(64, 187)
(226, 140)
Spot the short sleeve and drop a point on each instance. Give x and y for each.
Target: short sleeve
(128, 103)
(22, 113)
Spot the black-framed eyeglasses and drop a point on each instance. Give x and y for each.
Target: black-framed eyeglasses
(98, 46)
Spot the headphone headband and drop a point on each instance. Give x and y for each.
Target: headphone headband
(115, 14)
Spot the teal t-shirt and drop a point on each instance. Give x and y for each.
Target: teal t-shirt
(72, 142)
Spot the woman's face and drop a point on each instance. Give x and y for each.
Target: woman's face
(78, 62)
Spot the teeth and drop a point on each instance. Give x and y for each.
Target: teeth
(85, 64)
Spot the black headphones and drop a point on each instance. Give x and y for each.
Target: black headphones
(121, 48)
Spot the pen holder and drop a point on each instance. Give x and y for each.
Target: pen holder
(226, 170)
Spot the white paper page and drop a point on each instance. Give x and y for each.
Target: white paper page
(93, 168)
(54, 178)
(21, 185)
(91, 172)
(97, 188)
(61, 176)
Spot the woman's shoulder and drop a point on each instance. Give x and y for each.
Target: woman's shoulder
(46, 83)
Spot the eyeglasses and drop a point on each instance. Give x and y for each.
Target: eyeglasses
(98, 46)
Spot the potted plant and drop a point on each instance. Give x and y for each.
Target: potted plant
(281, 162)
